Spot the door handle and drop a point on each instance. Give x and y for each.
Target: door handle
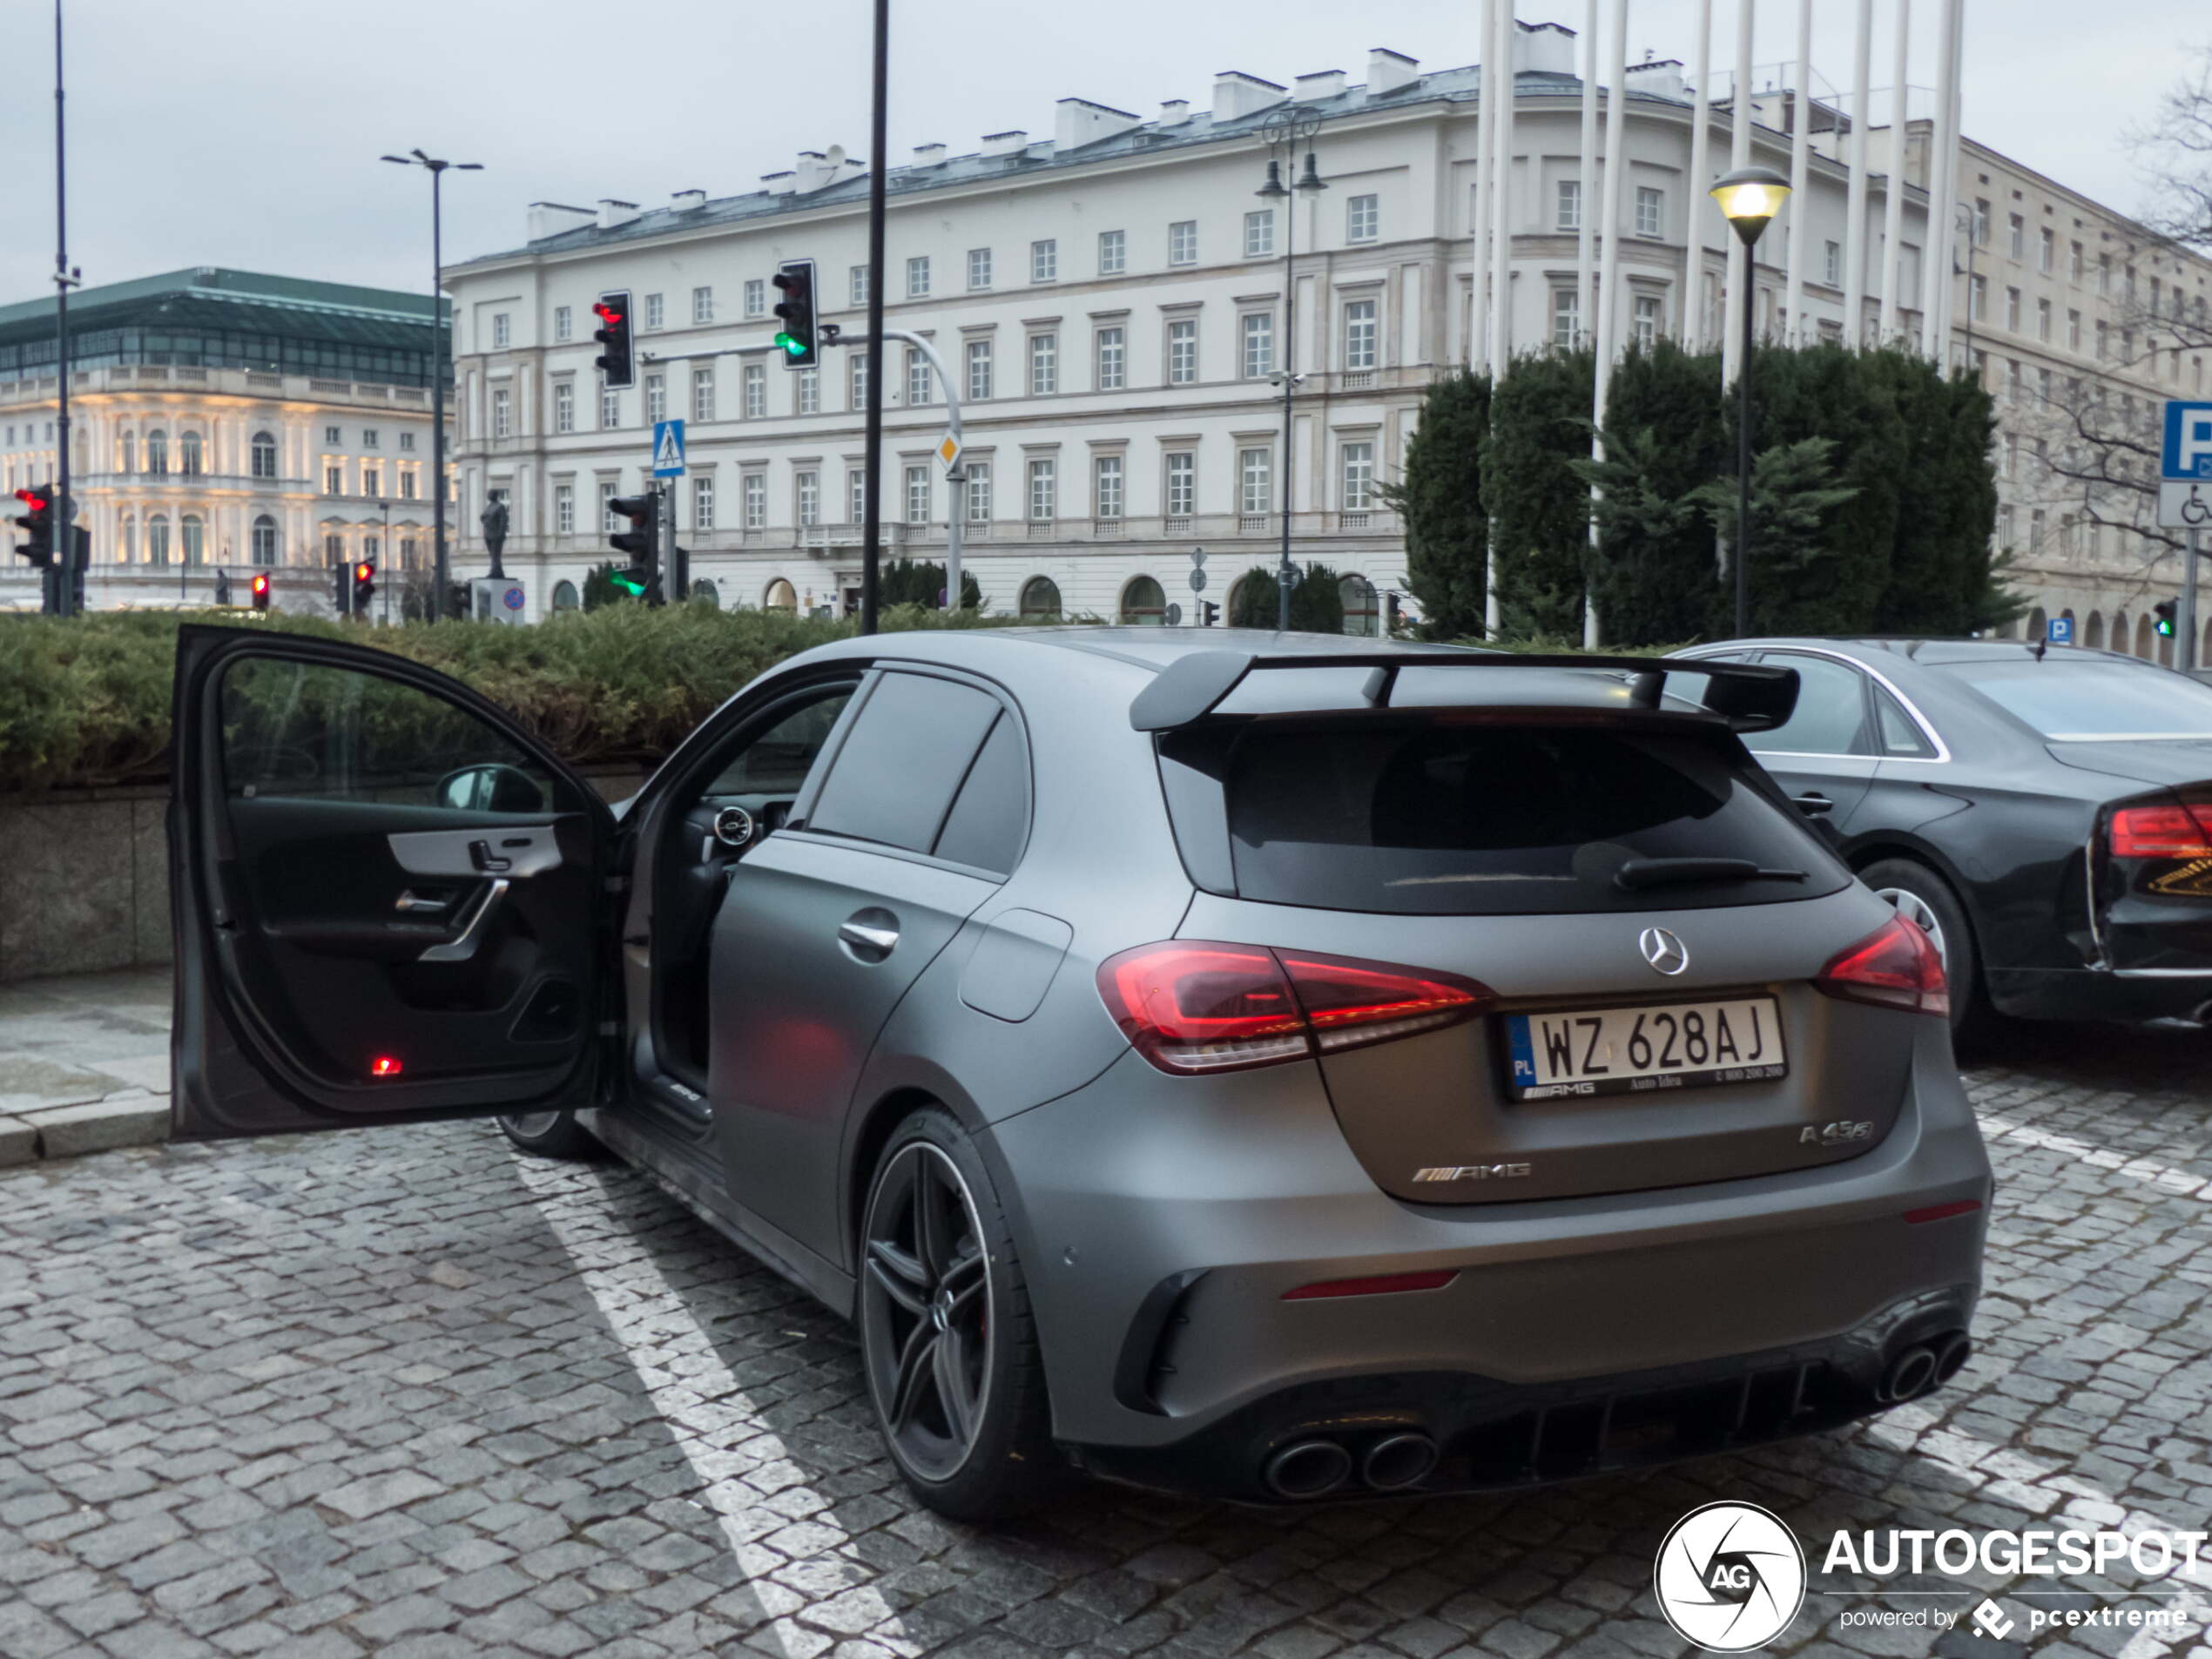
(461, 949)
(413, 903)
(862, 937)
(1812, 803)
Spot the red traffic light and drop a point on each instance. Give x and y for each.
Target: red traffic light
(363, 572)
(606, 313)
(261, 584)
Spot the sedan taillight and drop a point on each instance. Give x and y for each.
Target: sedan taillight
(1895, 967)
(2169, 829)
(1193, 1006)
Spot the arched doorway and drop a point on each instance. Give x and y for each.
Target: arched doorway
(2145, 638)
(2093, 634)
(780, 596)
(565, 596)
(705, 593)
(2038, 625)
(1360, 614)
(1144, 604)
(1040, 599)
(2120, 639)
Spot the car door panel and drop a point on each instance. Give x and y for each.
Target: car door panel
(352, 949)
(1821, 756)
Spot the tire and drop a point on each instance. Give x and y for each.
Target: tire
(548, 1134)
(1924, 897)
(947, 1340)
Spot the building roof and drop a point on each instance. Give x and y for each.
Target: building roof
(211, 297)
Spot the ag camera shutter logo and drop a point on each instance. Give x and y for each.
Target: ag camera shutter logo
(1730, 1577)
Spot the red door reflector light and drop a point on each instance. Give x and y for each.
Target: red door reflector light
(384, 1065)
(1381, 1285)
(1943, 1211)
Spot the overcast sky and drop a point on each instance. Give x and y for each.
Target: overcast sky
(247, 132)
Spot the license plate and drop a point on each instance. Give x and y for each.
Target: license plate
(1625, 1051)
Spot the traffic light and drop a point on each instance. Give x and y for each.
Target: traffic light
(1209, 614)
(1393, 613)
(799, 336)
(641, 542)
(261, 591)
(364, 586)
(2165, 610)
(613, 333)
(39, 521)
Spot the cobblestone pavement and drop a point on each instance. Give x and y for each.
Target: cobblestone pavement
(400, 1391)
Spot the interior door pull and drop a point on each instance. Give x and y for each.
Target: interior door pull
(413, 903)
(461, 949)
(863, 937)
(480, 854)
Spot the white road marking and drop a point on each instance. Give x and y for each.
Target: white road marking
(751, 1485)
(2185, 1184)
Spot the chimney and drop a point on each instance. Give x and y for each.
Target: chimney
(687, 201)
(612, 212)
(550, 219)
(1388, 70)
(1313, 88)
(812, 170)
(1080, 122)
(1011, 143)
(1236, 93)
(1174, 112)
(780, 184)
(1542, 49)
(1661, 78)
(928, 155)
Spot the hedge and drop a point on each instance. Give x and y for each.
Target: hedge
(86, 702)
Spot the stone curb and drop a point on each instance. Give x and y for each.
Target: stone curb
(98, 1126)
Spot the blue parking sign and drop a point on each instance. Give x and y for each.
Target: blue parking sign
(2187, 452)
(2060, 630)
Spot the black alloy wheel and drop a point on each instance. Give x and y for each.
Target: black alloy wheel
(926, 1302)
(548, 1134)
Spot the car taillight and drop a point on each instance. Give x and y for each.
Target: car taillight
(1192, 1006)
(2173, 829)
(1896, 968)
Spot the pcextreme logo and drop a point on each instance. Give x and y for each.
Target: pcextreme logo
(1730, 1577)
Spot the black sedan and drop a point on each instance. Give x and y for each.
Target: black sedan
(2044, 812)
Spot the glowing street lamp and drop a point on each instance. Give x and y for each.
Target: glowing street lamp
(1749, 198)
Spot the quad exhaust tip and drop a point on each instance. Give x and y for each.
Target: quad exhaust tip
(1924, 1367)
(1308, 1469)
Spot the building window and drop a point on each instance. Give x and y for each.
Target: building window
(406, 480)
(334, 478)
(979, 268)
(499, 331)
(656, 311)
(564, 509)
(126, 452)
(1568, 205)
(1981, 224)
(754, 490)
(1831, 264)
(1044, 261)
(1040, 599)
(192, 450)
(918, 382)
(1357, 468)
(195, 538)
(856, 482)
(372, 479)
(158, 539)
(1567, 318)
(563, 323)
(369, 437)
(610, 408)
(1257, 332)
(1651, 209)
(1144, 604)
(856, 381)
(1044, 364)
(810, 391)
(702, 305)
(978, 370)
(264, 457)
(1259, 233)
(1112, 356)
(918, 277)
(857, 284)
(979, 491)
(265, 541)
(158, 453)
(1044, 489)
(1977, 298)
(2046, 245)
(2042, 319)
(607, 519)
(1359, 335)
(1182, 351)
(1645, 320)
(2015, 236)
(807, 488)
(1362, 219)
(702, 501)
(756, 390)
(407, 441)
(1182, 483)
(756, 297)
(1106, 487)
(1255, 480)
(1113, 253)
(918, 495)
(702, 392)
(1182, 242)
(503, 410)
(2012, 310)
(563, 406)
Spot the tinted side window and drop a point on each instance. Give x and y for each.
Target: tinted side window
(990, 819)
(908, 751)
(1830, 716)
(1899, 735)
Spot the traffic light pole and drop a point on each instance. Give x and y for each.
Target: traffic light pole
(2185, 658)
(872, 532)
(956, 475)
(65, 566)
(675, 579)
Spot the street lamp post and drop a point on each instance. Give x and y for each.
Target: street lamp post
(1749, 198)
(1284, 131)
(437, 168)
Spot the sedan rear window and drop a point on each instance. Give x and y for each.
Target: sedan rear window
(1458, 819)
(2094, 702)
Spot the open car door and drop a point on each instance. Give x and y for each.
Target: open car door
(389, 901)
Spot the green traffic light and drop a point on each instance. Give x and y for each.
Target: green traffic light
(628, 585)
(794, 347)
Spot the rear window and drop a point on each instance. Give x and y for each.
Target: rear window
(2094, 702)
(1445, 819)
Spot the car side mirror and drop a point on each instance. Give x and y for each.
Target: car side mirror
(491, 788)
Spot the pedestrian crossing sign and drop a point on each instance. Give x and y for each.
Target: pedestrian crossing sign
(668, 449)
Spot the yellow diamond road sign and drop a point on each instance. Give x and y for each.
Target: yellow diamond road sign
(948, 451)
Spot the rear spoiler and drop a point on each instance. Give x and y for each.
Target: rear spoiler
(1748, 696)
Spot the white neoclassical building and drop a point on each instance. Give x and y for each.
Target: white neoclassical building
(226, 422)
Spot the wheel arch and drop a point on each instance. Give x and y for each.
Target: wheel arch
(871, 1132)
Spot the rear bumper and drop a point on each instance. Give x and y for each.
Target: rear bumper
(2101, 993)
(1164, 1221)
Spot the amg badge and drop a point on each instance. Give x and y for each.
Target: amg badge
(1472, 1173)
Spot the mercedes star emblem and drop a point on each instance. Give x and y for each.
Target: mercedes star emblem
(1663, 950)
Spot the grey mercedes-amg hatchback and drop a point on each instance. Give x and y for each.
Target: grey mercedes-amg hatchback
(1251, 1064)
